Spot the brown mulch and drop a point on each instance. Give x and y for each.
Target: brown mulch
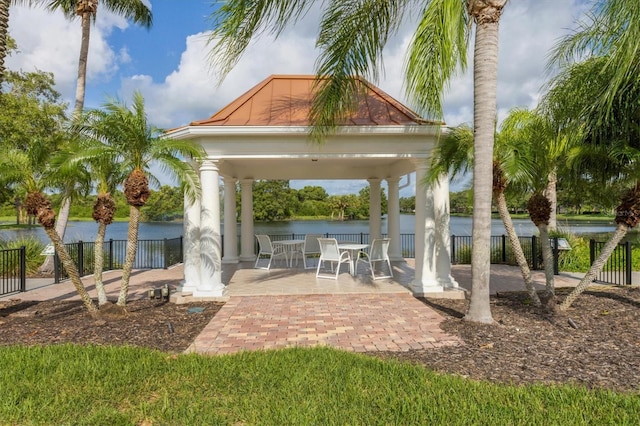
(595, 343)
(524, 345)
(152, 323)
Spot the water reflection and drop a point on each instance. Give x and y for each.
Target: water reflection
(460, 226)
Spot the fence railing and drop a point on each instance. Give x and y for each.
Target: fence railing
(161, 254)
(13, 271)
(618, 269)
(150, 254)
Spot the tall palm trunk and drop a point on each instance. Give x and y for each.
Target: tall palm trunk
(552, 195)
(98, 254)
(618, 235)
(86, 9)
(4, 32)
(503, 209)
(484, 105)
(547, 258)
(132, 247)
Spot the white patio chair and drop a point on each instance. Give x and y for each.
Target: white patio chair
(329, 252)
(274, 251)
(311, 247)
(377, 253)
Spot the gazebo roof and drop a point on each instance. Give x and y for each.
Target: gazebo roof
(285, 100)
(264, 134)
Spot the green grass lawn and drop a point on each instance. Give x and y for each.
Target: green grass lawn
(64, 384)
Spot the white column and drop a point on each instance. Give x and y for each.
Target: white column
(425, 273)
(210, 239)
(230, 226)
(375, 210)
(247, 242)
(443, 237)
(393, 219)
(191, 245)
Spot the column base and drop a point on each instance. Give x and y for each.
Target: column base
(448, 282)
(207, 293)
(230, 260)
(423, 288)
(187, 288)
(248, 258)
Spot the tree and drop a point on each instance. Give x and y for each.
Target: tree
(134, 10)
(351, 39)
(273, 200)
(454, 155)
(608, 38)
(29, 171)
(133, 144)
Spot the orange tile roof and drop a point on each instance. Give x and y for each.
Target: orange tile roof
(285, 100)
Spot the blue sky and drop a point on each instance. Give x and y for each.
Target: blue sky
(169, 63)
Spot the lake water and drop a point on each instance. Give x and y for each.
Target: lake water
(86, 231)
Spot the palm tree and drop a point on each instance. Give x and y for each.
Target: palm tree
(5, 40)
(28, 170)
(351, 39)
(107, 176)
(454, 155)
(609, 41)
(132, 144)
(135, 10)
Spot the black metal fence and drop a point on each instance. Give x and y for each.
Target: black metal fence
(501, 251)
(13, 270)
(618, 269)
(150, 254)
(161, 254)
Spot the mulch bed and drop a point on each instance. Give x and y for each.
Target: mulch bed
(524, 345)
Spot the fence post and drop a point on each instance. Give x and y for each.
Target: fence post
(629, 259)
(556, 253)
(534, 253)
(56, 268)
(453, 249)
(504, 248)
(182, 249)
(111, 254)
(165, 248)
(592, 251)
(81, 258)
(23, 269)
(361, 238)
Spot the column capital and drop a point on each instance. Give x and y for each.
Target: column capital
(209, 165)
(395, 179)
(374, 180)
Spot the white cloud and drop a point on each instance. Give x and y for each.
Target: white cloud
(528, 29)
(54, 45)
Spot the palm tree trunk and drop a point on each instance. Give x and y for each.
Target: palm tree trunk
(61, 227)
(4, 27)
(484, 106)
(132, 247)
(82, 64)
(547, 258)
(552, 195)
(503, 209)
(98, 254)
(71, 269)
(618, 235)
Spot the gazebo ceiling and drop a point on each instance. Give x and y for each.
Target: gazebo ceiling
(264, 135)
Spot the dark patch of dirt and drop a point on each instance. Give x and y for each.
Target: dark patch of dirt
(525, 344)
(533, 345)
(149, 323)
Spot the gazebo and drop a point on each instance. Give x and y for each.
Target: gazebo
(263, 134)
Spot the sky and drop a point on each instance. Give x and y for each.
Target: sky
(169, 62)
